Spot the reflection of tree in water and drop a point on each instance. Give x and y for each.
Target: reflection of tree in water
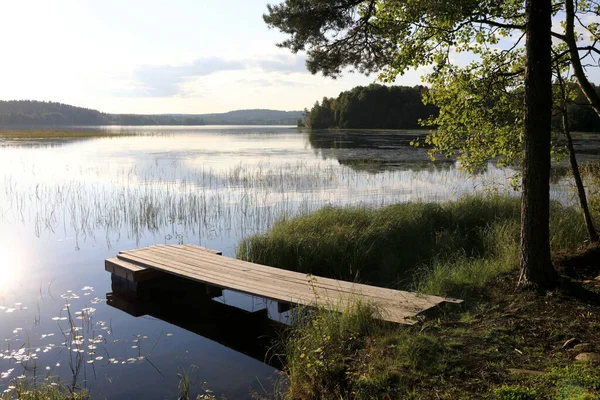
(375, 151)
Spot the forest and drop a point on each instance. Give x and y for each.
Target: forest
(40, 113)
(401, 107)
(372, 107)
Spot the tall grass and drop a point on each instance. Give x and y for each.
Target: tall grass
(329, 355)
(435, 248)
(319, 346)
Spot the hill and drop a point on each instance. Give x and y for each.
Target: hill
(253, 117)
(35, 113)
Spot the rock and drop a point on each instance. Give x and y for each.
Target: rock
(569, 343)
(582, 348)
(519, 371)
(588, 357)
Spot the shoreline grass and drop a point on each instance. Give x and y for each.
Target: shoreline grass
(432, 247)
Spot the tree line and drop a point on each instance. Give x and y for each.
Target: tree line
(372, 107)
(401, 107)
(37, 113)
(32, 113)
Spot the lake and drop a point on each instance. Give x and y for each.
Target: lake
(68, 204)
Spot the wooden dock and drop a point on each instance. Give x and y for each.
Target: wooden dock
(287, 287)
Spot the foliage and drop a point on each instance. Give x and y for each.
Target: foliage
(577, 380)
(479, 119)
(372, 107)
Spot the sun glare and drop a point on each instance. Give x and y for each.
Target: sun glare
(10, 270)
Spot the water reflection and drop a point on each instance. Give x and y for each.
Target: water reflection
(375, 151)
(188, 305)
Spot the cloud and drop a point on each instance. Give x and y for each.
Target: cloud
(273, 82)
(166, 80)
(169, 80)
(283, 64)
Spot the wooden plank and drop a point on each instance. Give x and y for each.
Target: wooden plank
(205, 275)
(204, 265)
(319, 283)
(129, 271)
(138, 273)
(300, 294)
(326, 294)
(156, 255)
(195, 247)
(329, 296)
(336, 284)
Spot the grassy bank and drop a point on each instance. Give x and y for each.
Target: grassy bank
(434, 248)
(500, 344)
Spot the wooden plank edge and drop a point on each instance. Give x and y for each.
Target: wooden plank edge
(119, 267)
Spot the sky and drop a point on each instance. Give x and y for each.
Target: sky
(151, 56)
(157, 56)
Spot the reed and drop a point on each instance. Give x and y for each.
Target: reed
(205, 202)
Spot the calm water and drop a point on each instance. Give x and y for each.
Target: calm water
(66, 205)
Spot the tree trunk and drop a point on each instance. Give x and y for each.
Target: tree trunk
(536, 266)
(582, 80)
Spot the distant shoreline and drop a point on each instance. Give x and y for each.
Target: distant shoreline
(4, 128)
